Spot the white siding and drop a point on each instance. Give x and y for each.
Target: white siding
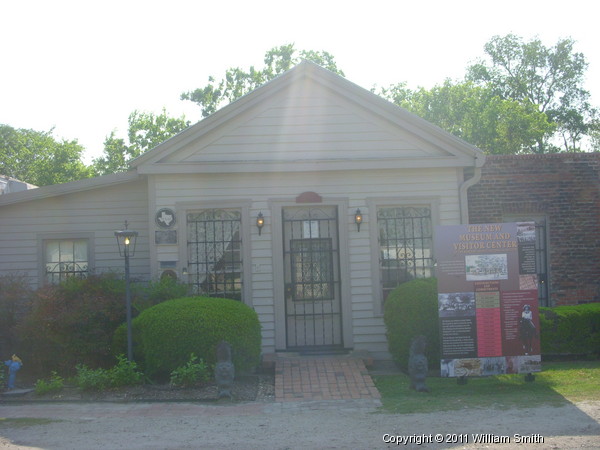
(356, 187)
(97, 212)
(307, 124)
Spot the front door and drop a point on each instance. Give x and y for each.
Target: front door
(312, 278)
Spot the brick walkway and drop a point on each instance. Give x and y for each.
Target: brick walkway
(322, 378)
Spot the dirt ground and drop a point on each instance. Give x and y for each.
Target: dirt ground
(272, 425)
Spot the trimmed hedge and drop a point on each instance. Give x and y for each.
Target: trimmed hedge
(166, 334)
(571, 330)
(410, 310)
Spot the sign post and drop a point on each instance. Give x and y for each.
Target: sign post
(487, 299)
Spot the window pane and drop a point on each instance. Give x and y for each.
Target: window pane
(65, 258)
(80, 251)
(52, 251)
(215, 253)
(405, 243)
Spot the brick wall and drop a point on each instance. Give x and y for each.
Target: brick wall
(565, 189)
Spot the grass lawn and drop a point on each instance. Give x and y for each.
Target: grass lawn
(557, 384)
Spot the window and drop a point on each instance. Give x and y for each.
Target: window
(65, 258)
(405, 245)
(214, 249)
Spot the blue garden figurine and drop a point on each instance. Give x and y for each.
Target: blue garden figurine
(14, 364)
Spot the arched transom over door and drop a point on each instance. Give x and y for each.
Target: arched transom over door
(312, 278)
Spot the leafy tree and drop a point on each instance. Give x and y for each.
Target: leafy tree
(145, 131)
(238, 82)
(549, 77)
(38, 158)
(475, 114)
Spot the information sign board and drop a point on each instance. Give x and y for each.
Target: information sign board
(487, 299)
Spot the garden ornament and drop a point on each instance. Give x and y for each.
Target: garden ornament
(224, 370)
(417, 364)
(14, 364)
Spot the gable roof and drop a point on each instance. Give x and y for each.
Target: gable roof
(308, 119)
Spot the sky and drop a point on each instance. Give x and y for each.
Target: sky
(82, 67)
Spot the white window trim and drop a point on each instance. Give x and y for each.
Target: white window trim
(389, 202)
(44, 238)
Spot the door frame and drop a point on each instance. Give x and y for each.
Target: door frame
(345, 220)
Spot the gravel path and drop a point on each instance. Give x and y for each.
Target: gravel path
(291, 425)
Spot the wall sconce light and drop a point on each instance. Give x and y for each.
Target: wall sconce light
(260, 222)
(358, 218)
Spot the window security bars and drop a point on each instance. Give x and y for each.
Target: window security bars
(405, 245)
(214, 246)
(66, 258)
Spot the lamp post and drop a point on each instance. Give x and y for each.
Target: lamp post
(126, 240)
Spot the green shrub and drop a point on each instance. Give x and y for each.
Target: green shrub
(570, 330)
(410, 310)
(72, 323)
(165, 335)
(192, 373)
(15, 302)
(91, 379)
(125, 373)
(155, 292)
(55, 384)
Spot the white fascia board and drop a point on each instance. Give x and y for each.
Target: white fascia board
(300, 166)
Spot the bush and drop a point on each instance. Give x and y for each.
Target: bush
(570, 330)
(91, 379)
(15, 302)
(72, 323)
(410, 310)
(165, 335)
(194, 372)
(124, 373)
(155, 292)
(55, 384)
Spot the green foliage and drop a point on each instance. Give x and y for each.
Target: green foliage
(55, 384)
(477, 115)
(166, 334)
(15, 300)
(238, 82)
(91, 379)
(551, 78)
(36, 157)
(155, 292)
(2, 378)
(193, 372)
(146, 131)
(571, 330)
(411, 310)
(72, 323)
(124, 373)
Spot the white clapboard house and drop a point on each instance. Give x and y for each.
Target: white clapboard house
(308, 199)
